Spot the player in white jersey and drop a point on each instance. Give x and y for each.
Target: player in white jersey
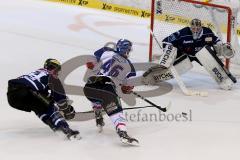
(42, 92)
(101, 88)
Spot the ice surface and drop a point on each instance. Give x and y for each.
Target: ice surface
(32, 31)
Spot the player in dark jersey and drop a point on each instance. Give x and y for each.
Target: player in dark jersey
(42, 92)
(191, 40)
(193, 43)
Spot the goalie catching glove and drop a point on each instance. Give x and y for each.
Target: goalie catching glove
(225, 50)
(66, 109)
(127, 89)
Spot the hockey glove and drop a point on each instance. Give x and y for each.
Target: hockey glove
(69, 113)
(127, 89)
(228, 51)
(224, 50)
(66, 109)
(90, 65)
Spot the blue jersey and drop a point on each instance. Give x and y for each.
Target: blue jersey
(184, 42)
(38, 80)
(115, 66)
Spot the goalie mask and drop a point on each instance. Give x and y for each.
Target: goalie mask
(123, 47)
(196, 28)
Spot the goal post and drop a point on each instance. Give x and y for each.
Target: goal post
(168, 16)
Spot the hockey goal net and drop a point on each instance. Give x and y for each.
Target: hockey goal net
(168, 16)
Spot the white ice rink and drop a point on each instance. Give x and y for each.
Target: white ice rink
(32, 31)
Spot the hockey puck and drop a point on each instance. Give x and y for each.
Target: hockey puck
(184, 114)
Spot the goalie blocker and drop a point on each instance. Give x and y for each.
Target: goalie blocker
(215, 67)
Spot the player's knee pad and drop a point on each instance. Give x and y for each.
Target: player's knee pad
(215, 68)
(113, 108)
(111, 103)
(103, 92)
(169, 55)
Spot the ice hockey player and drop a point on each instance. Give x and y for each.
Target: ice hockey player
(102, 88)
(42, 92)
(194, 43)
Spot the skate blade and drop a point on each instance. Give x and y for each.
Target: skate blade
(75, 137)
(65, 137)
(100, 128)
(60, 134)
(126, 142)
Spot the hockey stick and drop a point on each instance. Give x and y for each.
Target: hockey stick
(155, 38)
(89, 115)
(180, 83)
(184, 88)
(153, 105)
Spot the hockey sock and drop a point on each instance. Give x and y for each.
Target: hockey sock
(57, 119)
(119, 121)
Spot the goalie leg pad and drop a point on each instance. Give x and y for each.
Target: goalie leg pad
(215, 68)
(169, 56)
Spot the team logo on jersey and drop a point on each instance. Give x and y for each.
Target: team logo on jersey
(172, 37)
(208, 39)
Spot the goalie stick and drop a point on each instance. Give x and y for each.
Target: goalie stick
(180, 83)
(184, 88)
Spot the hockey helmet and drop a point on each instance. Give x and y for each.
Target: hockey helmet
(196, 28)
(51, 64)
(123, 47)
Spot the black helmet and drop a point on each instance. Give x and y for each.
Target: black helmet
(52, 64)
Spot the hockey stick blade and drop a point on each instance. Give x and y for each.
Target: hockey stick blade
(148, 101)
(182, 86)
(165, 109)
(197, 93)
